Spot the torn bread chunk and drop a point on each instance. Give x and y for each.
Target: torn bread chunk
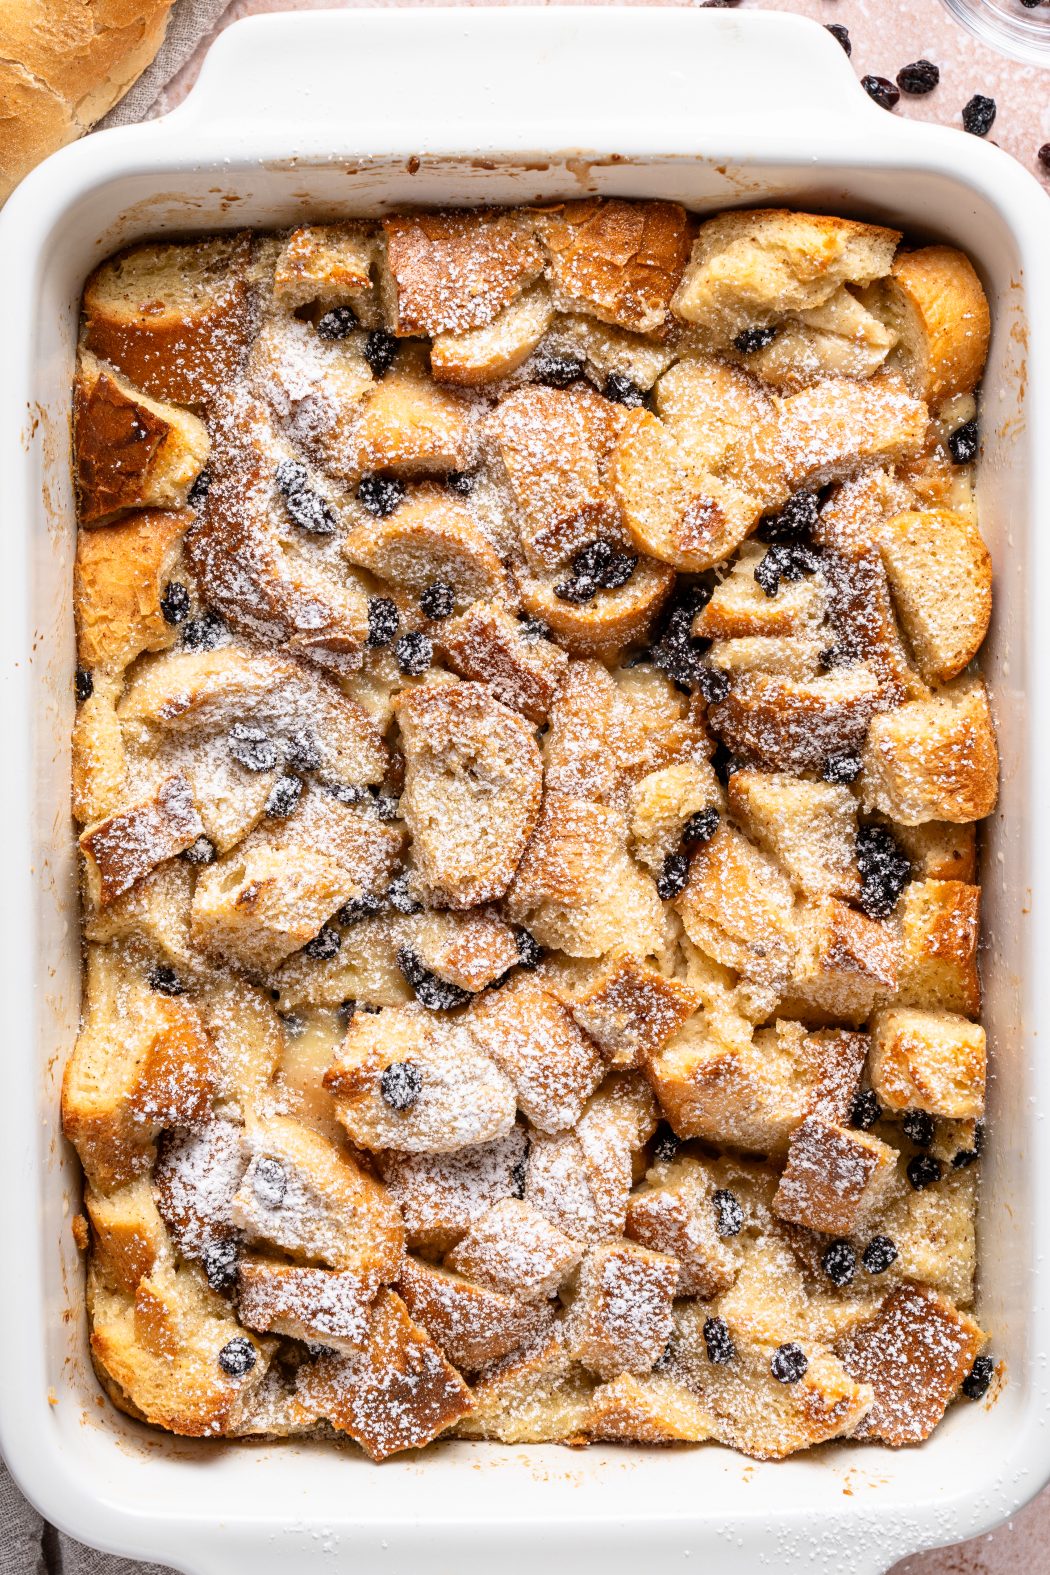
(795, 725)
(121, 582)
(120, 850)
(844, 965)
(522, 668)
(934, 759)
(535, 1040)
(652, 1409)
(618, 261)
(516, 1250)
(810, 828)
(431, 537)
(626, 1007)
(620, 1317)
(935, 304)
(940, 924)
(131, 451)
(940, 573)
(325, 266)
(451, 272)
(128, 1236)
(675, 1212)
(536, 1395)
(835, 1179)
(932, 1061)
(323, 1306)
(495, 349)
(441, 1195)
(473, 1324)
(612, 619)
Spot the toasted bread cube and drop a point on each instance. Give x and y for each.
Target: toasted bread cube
(628, 1009)
(532, 1038)
(605, 349)
(408, 425)
(940, 572)
(472, 1324)
(935, 304)
(582, 1180)
(740, 607)
(751, 267)
(462, 1097)
(810, 828)
(99, 764)
(934, 759)
(432, 536)
(516, 1250)
(915, 1353)
(398, 1393)
(935, 1234)
(861, 613)
(470, 949)
(738, 907)
(653, 1409)
(673, 1213)
(142, 1062)
(128, 1234)
(327, 1306)
(932, 1061)
(620, 1319)
(130, 451)
(488, 644)
(940, 928)
(835, 1179)
(472, 789)
(456, 271)
(840, 338)
(121, 574)
(173, 316)
(845, 963)
(940, 851)
(618, 261)
(120, 850)
(661, 804)
(538, 1395)
(793, 725)
(195, 1180)
(441, 1195)
(494, 350)
(306, 1197)
(325, 265)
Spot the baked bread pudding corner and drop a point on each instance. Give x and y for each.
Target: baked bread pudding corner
(527, 757)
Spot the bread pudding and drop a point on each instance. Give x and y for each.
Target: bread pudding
(527, 758)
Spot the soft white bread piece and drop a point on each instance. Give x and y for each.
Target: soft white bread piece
(626, 1007)
(494, 350)
(935, 304)
(940, 923)
(537, 1395)
(473, 780)
(472, 1324)
(154, 918)
(523, 670)
(124, 847)
(915, 1353)
(940, 573)
(740, 608)
(432, 536)
(934, 1232)
(810, 828)
(407, 424)
(195, 1180)
(142, 1062)
(617, 261)
(440, 1195)
(619, 1320)
(840, 338)
(673, 1212)
(751, 267)
(582, 1180)
(663, 801)
(652, 1409)
(932, 1061)
(603, 349)
(450, 272)
(789, 655)
(516, 1250)
(933, 759)
(130, 451)
(554, 1066)
(613, 619)
(99, 766)
(128, 1236)
(325, 1306)
(738, 907)
(450, 1097)
(845, 963)
(708, 405)
(308, 1199)
(793, 725)
(326, 265)
(939, 850)
(835, 1179)
(119, 579)
(173, 316)
(398, 1393)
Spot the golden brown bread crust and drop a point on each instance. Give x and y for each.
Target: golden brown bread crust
(131, 451)
(937, 303)
(456, 271)
(619, 261)
(120, 577)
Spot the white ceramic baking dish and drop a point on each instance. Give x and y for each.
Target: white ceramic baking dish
(327, 113)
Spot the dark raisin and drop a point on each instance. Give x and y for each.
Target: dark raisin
(922, 76)
(200, 852)
(400, 897)
(713, 684)
(975, 1384)
(724, 763)
(83, 685)
(175, 603)
(839, 1262)
(401, 1084)
(533, 629)
(789, 1363)
(865, 1110)
(672, 879)
(348, 792)
(702, 826)
(291, 477)
(918, 1126)
(380, 350)
(837, 30)
(302, 750)
(879, 1254)
(719, 1342)
(269, 1182)
(963, 443)
(166, 981)
(978, 115)
(325, 943)
(461, 481)
(963, 1158)
(884, 871)
(294, 1025)
(311, 513)
(1044, 155)
(414, 652)
(729, 1216)
(359, 908)
(753, 339)
(380, 495)
(578, 588)
(436, 994)
(592, 560)
(618, 570)
(203, 633)
(622, 391)
(557, 371)
(677, 653)
(438, 600)
(199, 491)
(383, 621)
(885, 93)
(386, 806)
(530, 952)
(237, 1357)
(794, 521)
(518, 1173)
(923, 1171)
(785, 561)
(841, 768)
(284, 798)
(337, 323)
(665, 1144)
(251, 746)
(219, 1261)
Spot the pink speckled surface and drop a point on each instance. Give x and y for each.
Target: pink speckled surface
(887, 34)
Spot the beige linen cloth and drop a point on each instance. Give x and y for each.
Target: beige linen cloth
(28, 1545)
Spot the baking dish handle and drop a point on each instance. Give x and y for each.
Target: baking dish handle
(490, 78)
